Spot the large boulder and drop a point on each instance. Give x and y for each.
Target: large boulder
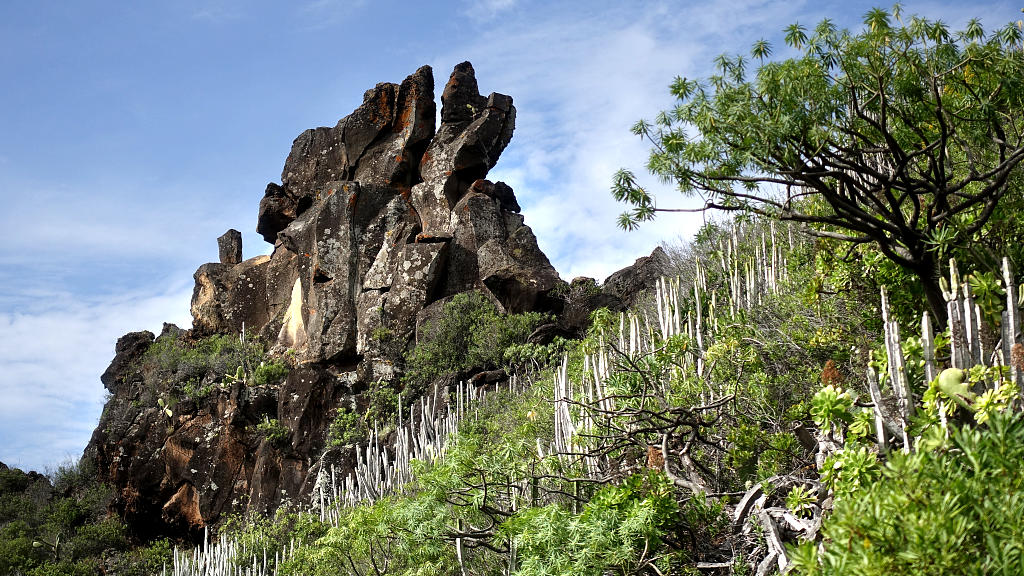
(630, 283)
(227, 298)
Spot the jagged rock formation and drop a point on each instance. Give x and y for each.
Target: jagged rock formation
(630, 283)
(375, 219)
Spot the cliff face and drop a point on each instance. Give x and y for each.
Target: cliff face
(376, 221)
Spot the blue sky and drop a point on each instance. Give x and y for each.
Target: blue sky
(132, 134)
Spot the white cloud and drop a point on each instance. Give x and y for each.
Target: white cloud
(484, 10)
(217, 11)
(580, 79)
(53, 359)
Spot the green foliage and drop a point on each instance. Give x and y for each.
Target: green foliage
(469, 334)
(800, 500)
(862, 424)
(382, 334)
(955, 510)
(533, 355)
(58, 530)
(615, 527)
(953, 392)
(988, 295)
(147, 560)
(850, 470)
(755, 453)
(379, 412)
(345, 429)
(81, 567)
(269, 372)
(615, 531)
(381, 406)
(275, 432)
(802, 138)
(401, 536)
(832, 406)
(194, 367)
(264, 532)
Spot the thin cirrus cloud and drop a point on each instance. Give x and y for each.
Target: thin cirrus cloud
(582, 77)
(486, 10)
(49, 412)
(580, 80)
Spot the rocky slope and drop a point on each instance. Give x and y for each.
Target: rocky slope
(377, 221)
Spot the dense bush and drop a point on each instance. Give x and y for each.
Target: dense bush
(59, 529)
(275, 432)
(469, 334)
(953, 510)
(196, 367)
(269, 372)
(346, 428)
(147, 560)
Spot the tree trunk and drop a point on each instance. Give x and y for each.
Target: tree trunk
(928, 272)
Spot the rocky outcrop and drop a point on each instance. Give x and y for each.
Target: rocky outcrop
(230, 247)
(629, 284)
(382, 142)
(128, 353)
(375, 219)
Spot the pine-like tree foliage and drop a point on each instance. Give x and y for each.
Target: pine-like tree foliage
(906, 135)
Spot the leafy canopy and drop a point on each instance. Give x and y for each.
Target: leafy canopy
(904, 135)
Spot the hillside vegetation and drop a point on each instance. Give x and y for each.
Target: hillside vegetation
(671, 440)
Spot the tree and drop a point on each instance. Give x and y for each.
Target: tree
(905, 135)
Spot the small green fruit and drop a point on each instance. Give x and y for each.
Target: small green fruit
(951, 382)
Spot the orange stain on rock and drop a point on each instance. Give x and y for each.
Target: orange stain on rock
(403, 120)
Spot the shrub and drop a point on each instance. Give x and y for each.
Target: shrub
(382, 405)
(469, 335)
(187, 364)
(955, 510)
(345, 429)
(618, 531)
(147, 560)
(93, 539)
(275, 432)
(269, 372)
(58, 530)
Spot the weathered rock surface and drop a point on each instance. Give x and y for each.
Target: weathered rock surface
(382, 142)
(474, 131)
(375, 220)
(230, 247)
(128, 353)
(632, 281)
